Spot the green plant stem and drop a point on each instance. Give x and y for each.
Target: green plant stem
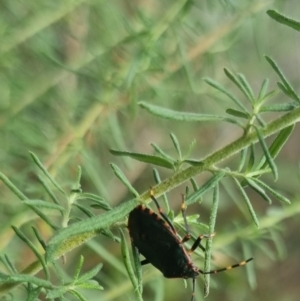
(224, 153)
(209, 162)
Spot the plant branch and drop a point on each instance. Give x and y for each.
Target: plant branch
(71, 237)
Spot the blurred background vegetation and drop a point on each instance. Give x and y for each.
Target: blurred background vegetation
(71, 74)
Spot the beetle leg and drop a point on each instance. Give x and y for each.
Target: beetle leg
(228, 268)
(163, 215)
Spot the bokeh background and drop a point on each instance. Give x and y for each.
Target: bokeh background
(71, 75)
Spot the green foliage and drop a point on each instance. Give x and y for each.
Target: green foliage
(78, 79)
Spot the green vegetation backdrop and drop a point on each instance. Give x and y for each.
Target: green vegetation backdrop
(81, 78)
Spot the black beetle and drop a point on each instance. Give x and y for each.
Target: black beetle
(157, 240)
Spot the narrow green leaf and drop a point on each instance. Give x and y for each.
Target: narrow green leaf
(270, 95)
(155, 160)
(267, 249)
(284, 20)
(194, 184)
(9, 265)
(100, 202)
(193, 162)
(43, 204)
(58, 292)
(226, 92)
(22, 197)
(278, 107)
(187, 190)
(240, 85)
(162, 153)
(285, 82)
(243, 158)
(46, 173)
(34, 250)
(59, 271)
(191, 147)
(184, 116)
(263, 90)
(277, 145)
(248, 203)
(77, 294)
(247, 87)
(39, 238)
(158, 288)
(119, 174)
(12, 187)
(103, 206)
(279, 243)
(129, 267)
(250, 270)
(251, 160)
(78, 267)
(164, 196)
(260, 121)
(176, 145)
(137, 267)
(90, 196)
(77, 185)
(24, 278)
(208, 247)
(285, 90)
(90, 274)
(267, 154)
(194, 197)
(106, 232)
(272, 191)
(85, 210)
(259, 190)
(237, 113)
(90, 284)
(48, 190)
(214, 209)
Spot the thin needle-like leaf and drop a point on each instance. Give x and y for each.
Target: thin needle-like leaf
(241, 84)
(248, 203)
(212, 223)
(185, 116)
(237, 113)
(119, 174)
(279, 107)
(247, 87)
(263, 90)
(162, 153)
(267, 153)
(34, 249)
(277, 195)
(259, 190)
(39, 238)
(23, 197)
(226, 92)
(155, 160)
(129, 267)
(277, 145)
(164, 196)
(137, 267)
(176, 145)
(243, 157)
(285, 82)
(284, 20)
(195, 197)
(46, 173)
